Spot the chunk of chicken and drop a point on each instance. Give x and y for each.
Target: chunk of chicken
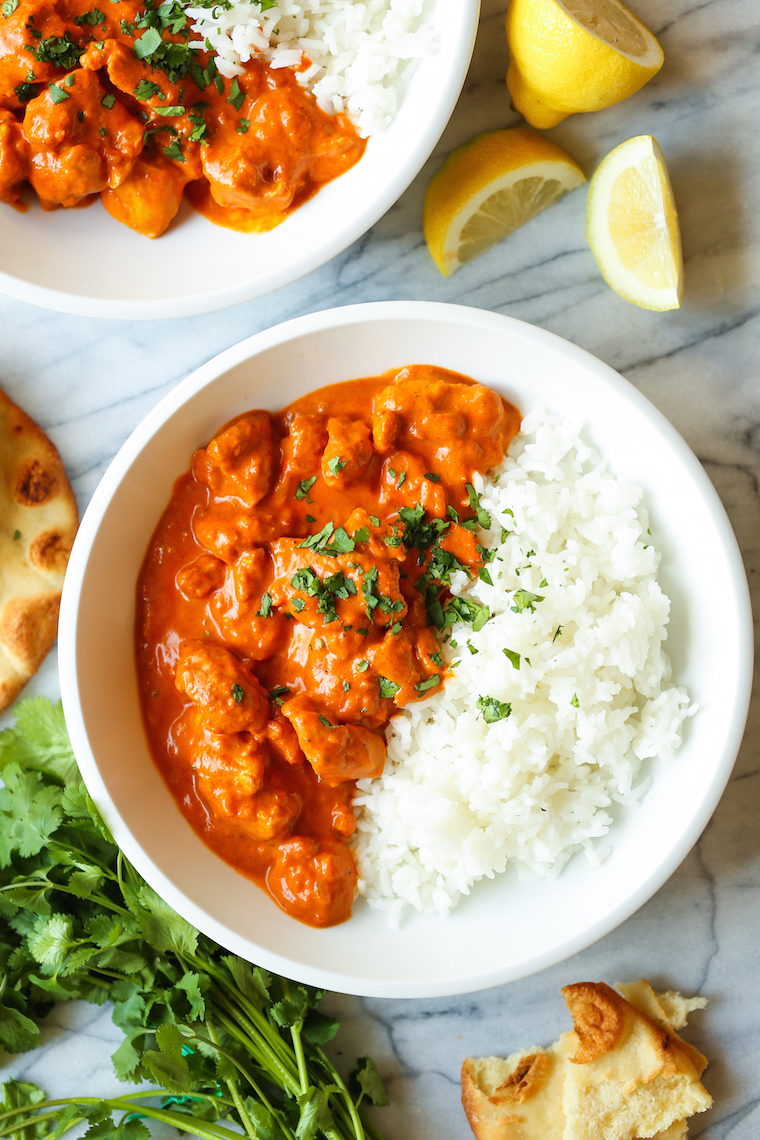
(77, 144)
(314, 881)
(228, 696)
(241, 460)
(229, 770)
(335, 752)
(149, 197)
(467, 426)
(202, 576)
(348, 453)
(14, 157)
(404, 660)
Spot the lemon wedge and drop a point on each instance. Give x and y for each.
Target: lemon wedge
(575, 55)
(632, 225)
(490, 186)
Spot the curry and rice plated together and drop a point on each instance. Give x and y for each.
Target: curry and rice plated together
(367, 572)
(243, 107)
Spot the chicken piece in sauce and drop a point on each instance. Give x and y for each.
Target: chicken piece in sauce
(228, 696)
(78, 146)
(288, 607)
(335, 752)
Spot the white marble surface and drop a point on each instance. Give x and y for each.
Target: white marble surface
(89, 382)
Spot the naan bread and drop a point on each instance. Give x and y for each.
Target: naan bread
(622, 1066)
(628, 1077)
(38, 521)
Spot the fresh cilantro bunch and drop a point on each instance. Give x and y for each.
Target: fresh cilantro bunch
(221, 1041)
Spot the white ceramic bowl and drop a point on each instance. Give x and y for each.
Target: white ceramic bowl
(84, 262)
(505, 929)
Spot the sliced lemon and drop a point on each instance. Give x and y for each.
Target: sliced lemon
(490, 186)
(575, 55)
(632, 225)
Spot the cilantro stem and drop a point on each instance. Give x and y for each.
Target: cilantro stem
(295, 1033)
(349, 1100)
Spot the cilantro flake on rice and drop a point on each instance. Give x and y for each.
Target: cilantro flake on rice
(352, 54)
(508, 766)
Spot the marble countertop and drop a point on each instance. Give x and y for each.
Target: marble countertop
(89, 382)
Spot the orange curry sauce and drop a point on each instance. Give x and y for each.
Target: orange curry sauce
(110, 99)
(289, 604)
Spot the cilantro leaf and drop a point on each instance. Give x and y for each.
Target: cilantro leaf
(493, 709)
(387, 688)
(513, 657)
(366, 1076)
(305, 486)
(524, 600)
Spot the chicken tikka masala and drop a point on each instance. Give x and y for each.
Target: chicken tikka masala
(114, 101)
(293, 597)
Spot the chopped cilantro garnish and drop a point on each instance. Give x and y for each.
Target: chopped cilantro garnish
(437, 659)
(485, 576)
(148, 42)
(310, 519)
(542, 583)
(335, 464)
(25, 92)
(401, 480)
(57, 94)
(266, 606)
(513, 657)
(429, 683)
(61, 51)
(557, 632)
(453, 514)
(524, 600)
(170, 112)
(504, 534)
(236, 96)
(278, 693)
(9, 7)
(243, 125)
(471, 648)
(392, 473)
(146, 89)
(346, 686)
(362, 666)
(361, 534)
(297, 604)
(574, 701)
(484, 519)
(388, 688)
(174, 150)
(238, 693)
(16, 535)
(363, 631)
(305, 486)
(102, 132)
(432, 478)
(93, 18)
(326, 722)
(329, 540)
(396, 627)
(108, 101)
(374, 520)
(493, 709)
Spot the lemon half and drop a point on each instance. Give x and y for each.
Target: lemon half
(632, 225)
(575, 55)
(490, 186)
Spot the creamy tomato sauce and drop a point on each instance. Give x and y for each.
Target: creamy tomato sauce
(111, 100)
(292, 598)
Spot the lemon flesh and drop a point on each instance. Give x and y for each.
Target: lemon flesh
(568, 56)
(489, 187)
(632, 225)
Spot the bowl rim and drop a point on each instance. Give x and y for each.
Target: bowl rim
(472, 319)
(464, 19)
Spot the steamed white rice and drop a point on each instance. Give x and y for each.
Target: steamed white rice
(356, 51)
(461, 799)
